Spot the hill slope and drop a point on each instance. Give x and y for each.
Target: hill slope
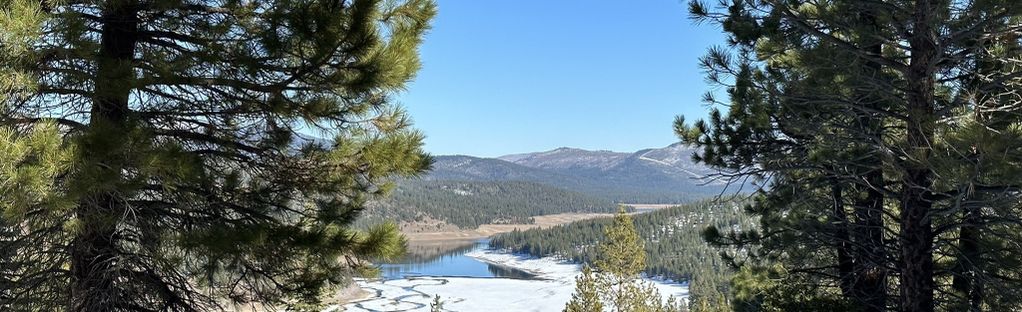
(468, 204)
(672, 236)
(468, 191)
(468, 168)
(661, 175)
(662, 170)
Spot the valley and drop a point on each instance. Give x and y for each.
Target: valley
(492, 156)
(473, 225)
(423, 233)
(468, 193)
(531, 267)
(486, 230)
(478, 278)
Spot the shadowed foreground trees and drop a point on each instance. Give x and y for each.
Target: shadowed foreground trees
(887, 138)
(178, 169)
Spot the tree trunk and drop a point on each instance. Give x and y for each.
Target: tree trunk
(871, 256)
(965, 272)
(844, 242)
(870, 287)
(916, 235)
(94, 252)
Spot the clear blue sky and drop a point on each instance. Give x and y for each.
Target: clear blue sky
(503, 76)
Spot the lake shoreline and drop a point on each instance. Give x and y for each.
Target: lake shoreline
(547, 285)
(548, 292)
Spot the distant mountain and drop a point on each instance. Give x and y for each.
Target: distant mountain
(661, 175)
(567, 158)
(468, 168)
(674, 161)
(467, 191)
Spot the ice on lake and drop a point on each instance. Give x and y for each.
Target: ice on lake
(549, 288)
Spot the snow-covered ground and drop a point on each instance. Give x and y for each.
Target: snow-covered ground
(549, 292)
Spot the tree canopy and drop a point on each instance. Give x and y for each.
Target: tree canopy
(885, 140)
(615, 284)
(166, 155)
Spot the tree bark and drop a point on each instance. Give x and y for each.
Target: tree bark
(916, 235)
(95, 258)
(844, 243)
(965, 271)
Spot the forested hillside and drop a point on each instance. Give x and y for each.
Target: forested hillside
(468, 204)
(673, 238)
(468, 191)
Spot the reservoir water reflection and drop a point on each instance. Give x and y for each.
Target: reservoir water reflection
(447, 259)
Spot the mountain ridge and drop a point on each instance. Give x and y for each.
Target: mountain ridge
(467, 191)
(663, 175)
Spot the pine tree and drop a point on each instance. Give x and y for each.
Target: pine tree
(586, 297)
(196, 178)
(30, 184)
(436, 305)
(622, 251)
(849, 114)
(675, 248)
(616, 284)
(33, 160)
(621, 257)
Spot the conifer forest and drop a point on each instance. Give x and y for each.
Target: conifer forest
(575, 155)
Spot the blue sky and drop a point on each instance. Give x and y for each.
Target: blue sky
(503, 77)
